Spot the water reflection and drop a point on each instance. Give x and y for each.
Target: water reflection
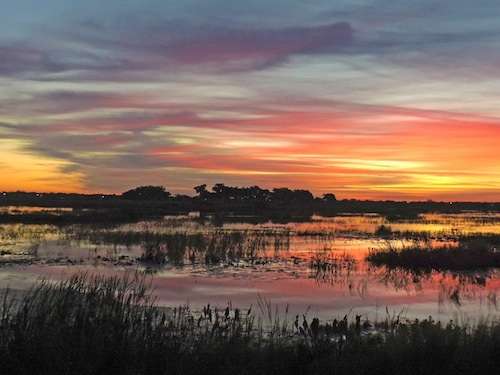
(323, 265)
(334, 269)
(20, 210)
(454, 290)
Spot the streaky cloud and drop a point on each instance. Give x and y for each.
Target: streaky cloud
(86, 53)
(259, 46)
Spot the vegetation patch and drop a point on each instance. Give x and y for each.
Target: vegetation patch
(214, 247)
(468, 254)
(95, 325)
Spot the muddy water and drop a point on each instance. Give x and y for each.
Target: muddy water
(348, 286)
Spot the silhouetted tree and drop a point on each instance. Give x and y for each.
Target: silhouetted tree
(256, 193)
(202, 192)
(287, 196)
(147, 193)
(219, 190)
(302, 196)
(329, 197)
(282, 195)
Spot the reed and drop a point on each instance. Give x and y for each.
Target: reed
(329, 267)
(213, 247)
(467, 255)
(93, 325)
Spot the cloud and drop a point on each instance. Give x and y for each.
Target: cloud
(260, 47)
(386, 149)
(91, 52)
(19, 59)
(315, 95)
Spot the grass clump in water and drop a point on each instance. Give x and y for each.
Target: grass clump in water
(213, 247)
(467, 255)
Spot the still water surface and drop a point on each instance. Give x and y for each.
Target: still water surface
(348, 286)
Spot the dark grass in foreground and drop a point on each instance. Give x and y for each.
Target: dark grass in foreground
(467, 255)
(96, 325)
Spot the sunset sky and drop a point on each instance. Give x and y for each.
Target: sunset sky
(366, 99)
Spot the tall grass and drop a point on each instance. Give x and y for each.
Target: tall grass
(329, 267)
(94, 325)
(469, 254)
(214, 247)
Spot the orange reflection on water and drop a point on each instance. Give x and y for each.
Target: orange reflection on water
(19, 210)
(340, 281)
(452, 224)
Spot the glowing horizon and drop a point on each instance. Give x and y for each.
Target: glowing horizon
(338, 98)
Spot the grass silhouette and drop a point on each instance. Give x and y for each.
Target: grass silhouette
(470, 254)
(94, 325)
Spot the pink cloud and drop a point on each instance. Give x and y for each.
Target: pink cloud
(113, 54)
(351, 150)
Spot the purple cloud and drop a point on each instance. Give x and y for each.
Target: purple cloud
(109, 52)
(261, 46)
(19, 59)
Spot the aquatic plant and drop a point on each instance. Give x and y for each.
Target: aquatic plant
(328, 267)
(467, 255)
(213, 247)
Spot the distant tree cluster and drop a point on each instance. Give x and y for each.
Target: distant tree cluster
(279, 205)
(254, 193)
(147, 193)
(221, 192)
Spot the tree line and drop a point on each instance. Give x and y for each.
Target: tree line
(221, 192)
(150, 201)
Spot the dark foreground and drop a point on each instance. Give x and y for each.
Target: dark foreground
(96, 325)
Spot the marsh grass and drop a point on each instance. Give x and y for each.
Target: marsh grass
(333, 268)
(214, 247)
(160, 242)
(468, 254)
(94, 325)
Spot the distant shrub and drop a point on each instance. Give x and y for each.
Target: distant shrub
(383, 230)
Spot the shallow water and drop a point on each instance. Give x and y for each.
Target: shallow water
(350, 287)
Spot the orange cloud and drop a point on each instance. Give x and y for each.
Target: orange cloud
(24, 171)
(365, 152)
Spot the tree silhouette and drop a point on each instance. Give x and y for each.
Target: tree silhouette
(303, 196)
(329, 197)
(202, 192)
(282, 195)
(147, 193)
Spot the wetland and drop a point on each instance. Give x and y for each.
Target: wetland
(258, 277)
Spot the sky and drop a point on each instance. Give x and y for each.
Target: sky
(366, 99)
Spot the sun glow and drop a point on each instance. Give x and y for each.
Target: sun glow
(294, 102)
(377, 165)
(25, 171)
